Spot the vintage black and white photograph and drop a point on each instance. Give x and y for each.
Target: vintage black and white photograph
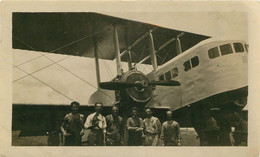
(95, 79)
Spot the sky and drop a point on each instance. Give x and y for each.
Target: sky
(74, 78)
(228, 25)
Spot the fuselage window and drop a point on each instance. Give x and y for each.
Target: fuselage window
(238, 47)
(195, 61)
(213, 53)
(161, 78)
(187, 65)
(168, 75)
(246, 46)
(226, 49)
(175, 72)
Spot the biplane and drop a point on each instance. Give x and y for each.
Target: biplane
(189, 73)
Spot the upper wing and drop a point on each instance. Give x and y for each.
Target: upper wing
(76, 33)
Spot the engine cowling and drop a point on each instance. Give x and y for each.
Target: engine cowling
(140, 94)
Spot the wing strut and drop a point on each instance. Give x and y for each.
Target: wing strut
(156, 51)
(97, 64)
(129, 60)
(153, 55)
(178, 46)
(117, 51)
(178, 43)
(137, 41)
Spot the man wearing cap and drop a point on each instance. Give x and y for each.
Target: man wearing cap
(97, 125)
(134, 125)
(170, 133)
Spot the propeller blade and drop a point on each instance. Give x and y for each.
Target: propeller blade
(165, 83)
(124, 85)
(115, 85)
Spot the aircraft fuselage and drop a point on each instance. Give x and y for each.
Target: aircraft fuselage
(212, 71)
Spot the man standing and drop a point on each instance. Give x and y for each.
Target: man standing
(240, 133)
(170, 133)
(134, 126)
(152, 129)
(114, 128)
(72, 126)
(225, 131)
(211, 131)
(97, 125)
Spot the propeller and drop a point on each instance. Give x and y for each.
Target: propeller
(165, 83)
(138, 84)
(115, 85)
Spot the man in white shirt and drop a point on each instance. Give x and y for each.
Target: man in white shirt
(152, 129)
(97, 125)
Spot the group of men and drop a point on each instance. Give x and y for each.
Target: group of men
(113, 130)
(110, 130)
(219, 132)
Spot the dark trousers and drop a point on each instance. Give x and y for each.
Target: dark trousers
(73, 140)
(134, 138)
(212, 138)
(113, 139)
(96, 137)
(240, 139)
(170, 143)
(224, 139)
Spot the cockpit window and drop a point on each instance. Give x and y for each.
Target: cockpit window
(175, 72)
(238, 47)
(168, 75)
(187, 65)
(213, 53)
(195, 61)
(226, 49)
(161, 78)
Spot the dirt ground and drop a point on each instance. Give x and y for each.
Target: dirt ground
(188, 139)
